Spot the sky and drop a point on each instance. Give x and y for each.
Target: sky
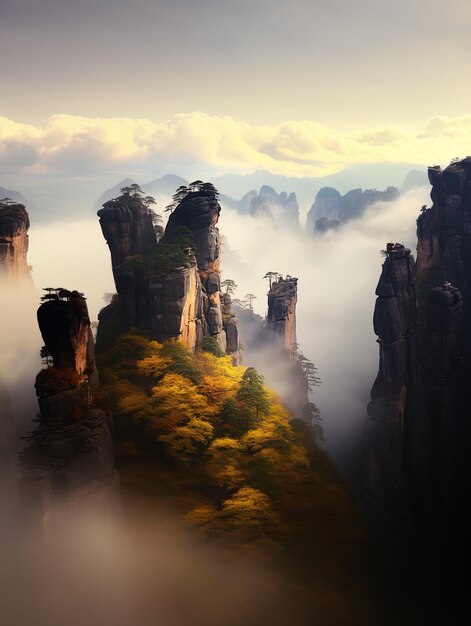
(302, 88)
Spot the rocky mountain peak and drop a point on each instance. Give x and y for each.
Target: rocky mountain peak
(14, 225)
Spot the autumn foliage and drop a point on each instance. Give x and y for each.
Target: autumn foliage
(240, 466)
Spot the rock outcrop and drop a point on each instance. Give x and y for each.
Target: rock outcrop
(281, 316)
(391, 438)
(421, 387)
(71, 453)
(334, 207)
(14, 225)
(281, 209)
(231, 328)
(171, 288)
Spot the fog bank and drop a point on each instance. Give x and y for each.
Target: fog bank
(338, 273)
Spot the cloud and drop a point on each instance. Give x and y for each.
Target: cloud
(75, 145)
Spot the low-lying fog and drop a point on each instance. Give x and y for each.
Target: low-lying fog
(337, 273)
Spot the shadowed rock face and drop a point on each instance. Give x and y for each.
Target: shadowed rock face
(199, 213)
(422, 389)
(395, 324)
(14, 225)
(71, 453)
(281, 317)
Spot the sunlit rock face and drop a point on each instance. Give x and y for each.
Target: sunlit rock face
(418, 461)
(198, 214)
(71, 454)
(172, 289)
(127, 227)
(231, 327)
(331, 207)
(14, 225)
(281, 317)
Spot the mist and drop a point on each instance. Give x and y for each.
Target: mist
(338, 273)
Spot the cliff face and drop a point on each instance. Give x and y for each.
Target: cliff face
(170, 289)
(198, 213)
(422, 384)
(388, 432)
(71, 453)
(281, 317)
(14, 225)
(331, 207)
(231, 328)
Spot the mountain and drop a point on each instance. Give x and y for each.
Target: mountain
(415, 178)
(367, 176)
(280, 209)
(112, 192)
(330, 208)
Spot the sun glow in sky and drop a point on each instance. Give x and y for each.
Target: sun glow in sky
(302, 88)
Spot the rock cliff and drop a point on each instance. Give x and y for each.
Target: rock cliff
(331, 207)
(419, 460)
(169, 288)
(14, 225)
(281, 316)
(271, 347)
(231, 328)
(71, 453)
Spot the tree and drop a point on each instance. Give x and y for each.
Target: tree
(46, 357)
(250, 297)
(209, 189)
(148, 200)
(230, 286)
(126, 191)
(135, 189)
(156, 218)
(272, 276)
(252, 394)
(196, 185)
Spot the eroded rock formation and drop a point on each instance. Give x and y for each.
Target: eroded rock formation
(331, 207)
(280, 209)
(281, 317)
(71, 453)
(14, 225)
(421, 389)
(390, 437)
(231, 328)
(170, 288)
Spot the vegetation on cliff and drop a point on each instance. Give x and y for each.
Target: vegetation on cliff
(219, 444)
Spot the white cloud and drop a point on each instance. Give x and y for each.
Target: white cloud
(74, 144)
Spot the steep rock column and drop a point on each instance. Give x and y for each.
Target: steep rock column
(281, 317)
(445, 310)
(231, 327)
(390, 436)
(127, 226)
(14, 225)
(71, 454)
(197, 215)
